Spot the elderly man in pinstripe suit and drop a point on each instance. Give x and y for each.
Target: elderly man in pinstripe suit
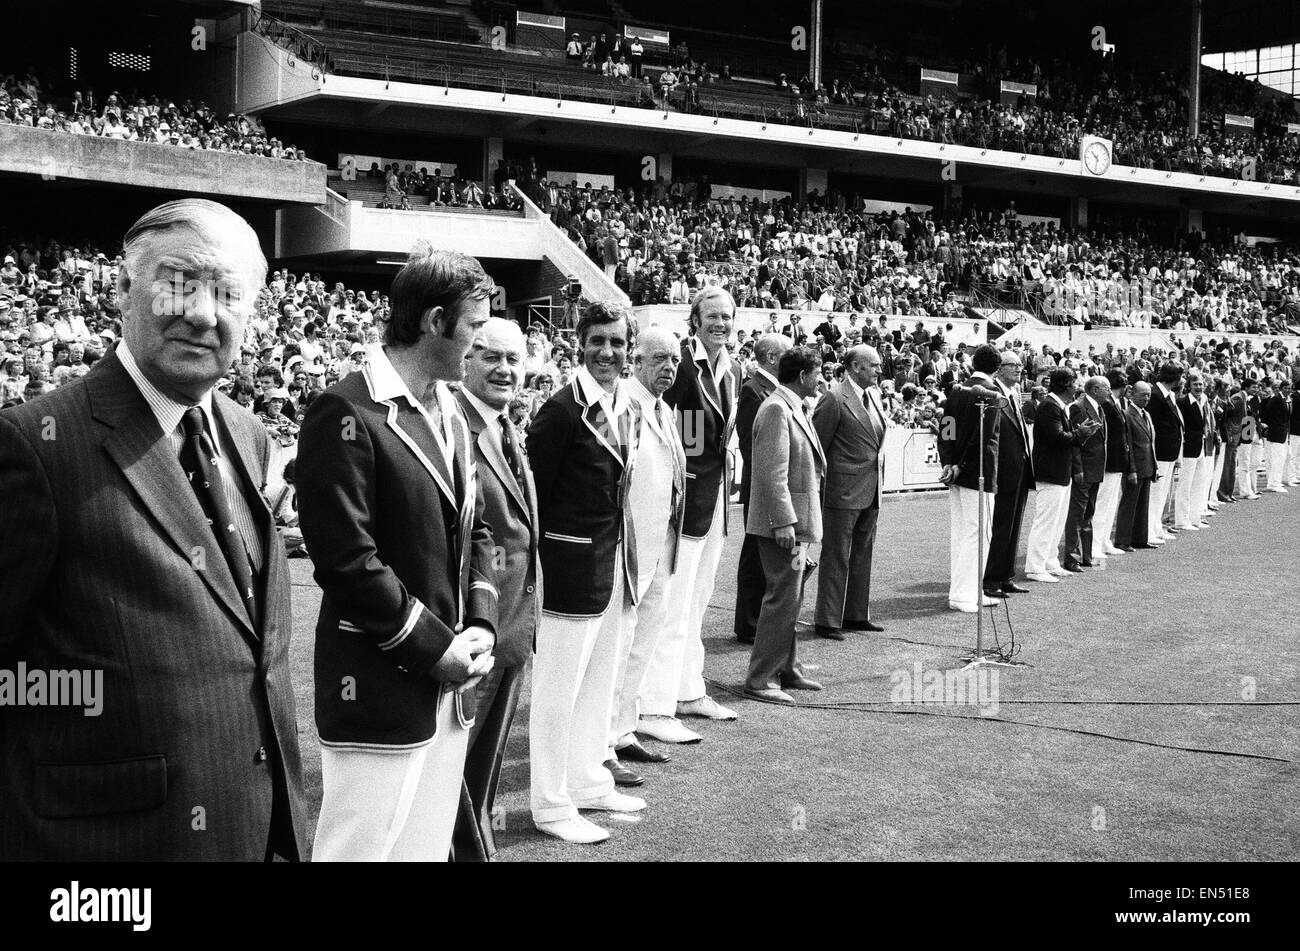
(135, 540)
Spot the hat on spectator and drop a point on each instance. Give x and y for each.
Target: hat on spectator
(279, 393)
(356, 348)
(294, 360)
(317, 369)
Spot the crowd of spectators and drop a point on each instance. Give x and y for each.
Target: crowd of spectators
(137, 118)
(663, 243)
(454, 191)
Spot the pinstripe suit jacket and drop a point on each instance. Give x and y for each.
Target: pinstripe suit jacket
(98, 531)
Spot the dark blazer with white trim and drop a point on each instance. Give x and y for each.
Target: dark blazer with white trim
(705, 420)
(402, 555)
(98, 534)
(582, 477)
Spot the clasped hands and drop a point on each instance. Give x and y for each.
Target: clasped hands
(468, 659)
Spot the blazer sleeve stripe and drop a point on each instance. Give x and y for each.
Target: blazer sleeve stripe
(416, 610)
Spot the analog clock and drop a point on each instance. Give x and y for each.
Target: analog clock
(1096, 157)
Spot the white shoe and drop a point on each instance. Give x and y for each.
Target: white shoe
(614, 801)
(705, 707)
(1188, 528)
(577, 830)
(666, 730)
(1158, 542)
(1112, 550)
(966, 607)
(1044, 578)
(1059, 572)
(1278, 489)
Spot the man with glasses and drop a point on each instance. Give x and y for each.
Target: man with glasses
(1015, 479)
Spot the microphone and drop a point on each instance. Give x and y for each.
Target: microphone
(983, 394)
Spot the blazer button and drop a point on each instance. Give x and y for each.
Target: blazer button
(531, 588)
(260, 755)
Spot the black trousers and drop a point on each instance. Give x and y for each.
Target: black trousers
(498, 698)
(1008, 514)
(1229, 480)
(1131, 518)
(750, 585)
(1078, 524)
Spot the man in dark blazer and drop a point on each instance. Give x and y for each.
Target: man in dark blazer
(785, 516)
(1080, 552)
(851, 424)
(494, 372)
(960, 453)
(768, 350)
(704, 395)
(1131, 522)
(1056, 463)
(409, 609)
(1168, 422)
(1119, 462)
(1015, 480)
(136, 543)
(582, 449)
(1275, 417)
(1196, 424)
(1245, 415)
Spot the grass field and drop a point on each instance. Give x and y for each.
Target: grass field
(1079, 762)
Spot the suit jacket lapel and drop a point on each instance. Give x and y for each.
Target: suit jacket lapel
(144, 455)
(593, 417)
(413, 429)
(496, 459)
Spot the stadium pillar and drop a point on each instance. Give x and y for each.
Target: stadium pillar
(815, 45)
(812, 179)
(493, 152)
(666, 167)
(1194, 72)
(1078, 213)
(1192, 220)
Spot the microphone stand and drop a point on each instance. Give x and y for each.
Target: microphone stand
(981, 657)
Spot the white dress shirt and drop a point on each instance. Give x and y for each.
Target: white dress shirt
(168, 412)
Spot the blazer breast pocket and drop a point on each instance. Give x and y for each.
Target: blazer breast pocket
(104, 788)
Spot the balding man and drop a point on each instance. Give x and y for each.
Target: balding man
(1081, 550)
(750, 583)
(657, 499)
(850, 423)
(494, 372)
(164, 578)
(1131, 523)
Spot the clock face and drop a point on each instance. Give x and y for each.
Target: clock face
(1097, 158)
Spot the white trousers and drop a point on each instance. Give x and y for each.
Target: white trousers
(1185, 510)
(1201, 480)
(1293, 458)
(1051, 508)
(1247, 466)
(1159, 497)
(1216, 476)
(1276, 463)
(676, 670)
(393, 807)
(647, 622)
(965, 585)
(1103, 518)
(574, 671)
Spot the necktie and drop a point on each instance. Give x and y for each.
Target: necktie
(199, 460)
(510, 449)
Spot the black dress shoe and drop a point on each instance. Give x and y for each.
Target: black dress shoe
(993, 593)
(799, 683)
(1012, 588)
(634, 752)
(831, 633)
(622, 775)
(1152, 547)
(1074, 568)
(863, 626)
(744, 638)
(1124, 547)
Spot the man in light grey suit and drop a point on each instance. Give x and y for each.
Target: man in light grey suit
(850, 423)
(785, 515)
(494, 371)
